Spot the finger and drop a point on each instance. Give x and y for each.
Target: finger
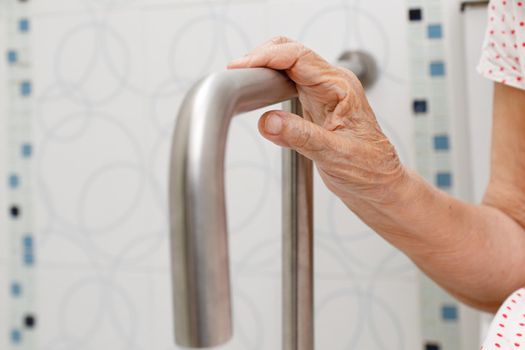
(290, 130)
(281, 56)
(302, 65)
(278, 40)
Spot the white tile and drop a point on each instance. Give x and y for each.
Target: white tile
(109, 78)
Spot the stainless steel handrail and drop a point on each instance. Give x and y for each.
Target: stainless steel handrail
(201, 284)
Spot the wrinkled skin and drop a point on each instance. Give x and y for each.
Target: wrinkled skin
(474, 251)
(339, 131)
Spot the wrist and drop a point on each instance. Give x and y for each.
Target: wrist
(399, 188)
(407, 190)
(416, 212)
(397, 206)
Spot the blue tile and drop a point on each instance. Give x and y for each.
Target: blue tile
(16, 336)
(420, 106)
(16, 289)
(25, 88)
(437, 69)
(449, 313)
(29, 259)
(12, 56)
(28, 241)
(444, 180)
(441, 143)
(23, 25)
(26, 150)
(13, 181)
(435, 31)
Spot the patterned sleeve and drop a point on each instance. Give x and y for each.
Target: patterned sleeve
(507, 330)
(503, 52)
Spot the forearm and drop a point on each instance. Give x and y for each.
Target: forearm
(473, 251)
(476, 252)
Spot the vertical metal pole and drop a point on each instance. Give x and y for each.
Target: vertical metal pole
(298, 291)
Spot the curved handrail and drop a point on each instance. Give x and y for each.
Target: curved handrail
(201, 284)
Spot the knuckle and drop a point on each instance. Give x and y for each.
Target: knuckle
(347, 72)
(350, 77)
(281, 39)
(305, 52)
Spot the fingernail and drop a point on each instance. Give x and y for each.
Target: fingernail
(273, 124)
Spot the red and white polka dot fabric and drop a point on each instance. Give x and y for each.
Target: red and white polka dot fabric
(503, 57)
(507, 330)
(503, 60)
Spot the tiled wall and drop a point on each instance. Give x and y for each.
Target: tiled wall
(108, 78)
(3, 189)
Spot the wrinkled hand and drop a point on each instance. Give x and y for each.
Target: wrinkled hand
(339, 131)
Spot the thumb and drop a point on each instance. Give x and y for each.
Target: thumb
(290, 130)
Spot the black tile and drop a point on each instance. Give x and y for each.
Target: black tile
(432, 346)
(14, 211)
(30, 321)
(420, 106)
(415, 14)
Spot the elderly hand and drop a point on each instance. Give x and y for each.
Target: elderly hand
(339, 130)
(463, 247)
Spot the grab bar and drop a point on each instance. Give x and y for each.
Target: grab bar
(199, 245)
